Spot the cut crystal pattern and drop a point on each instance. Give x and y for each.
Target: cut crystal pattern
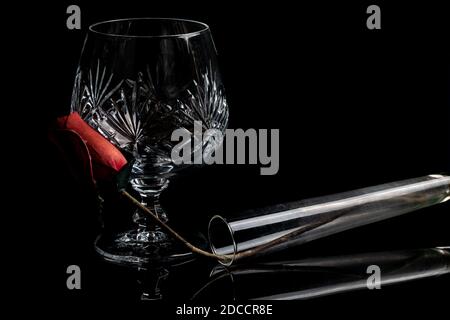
(129, 113)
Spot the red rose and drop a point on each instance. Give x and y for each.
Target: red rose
(104, 158)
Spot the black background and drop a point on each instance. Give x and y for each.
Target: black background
(355, 107)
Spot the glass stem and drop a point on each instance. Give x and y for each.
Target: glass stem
(151, 202)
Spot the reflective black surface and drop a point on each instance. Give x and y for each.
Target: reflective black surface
(198, 282)
(395, 245)
(354, 109)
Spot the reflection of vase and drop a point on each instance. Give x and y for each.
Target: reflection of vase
(320, 276)
(136, 89)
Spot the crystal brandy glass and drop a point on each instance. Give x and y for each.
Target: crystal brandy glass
(138, 80)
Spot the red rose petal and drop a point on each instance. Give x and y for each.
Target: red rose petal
(73, 151)
(107, 160)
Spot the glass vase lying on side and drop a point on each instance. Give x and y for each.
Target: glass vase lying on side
(262, 231)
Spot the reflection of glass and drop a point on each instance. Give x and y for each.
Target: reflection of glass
(316, 277)
(138, 80)
(295, 223)
(152, 278)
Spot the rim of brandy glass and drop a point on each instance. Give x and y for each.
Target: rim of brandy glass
(203, 28)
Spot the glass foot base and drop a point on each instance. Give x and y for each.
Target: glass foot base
(140, 248)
